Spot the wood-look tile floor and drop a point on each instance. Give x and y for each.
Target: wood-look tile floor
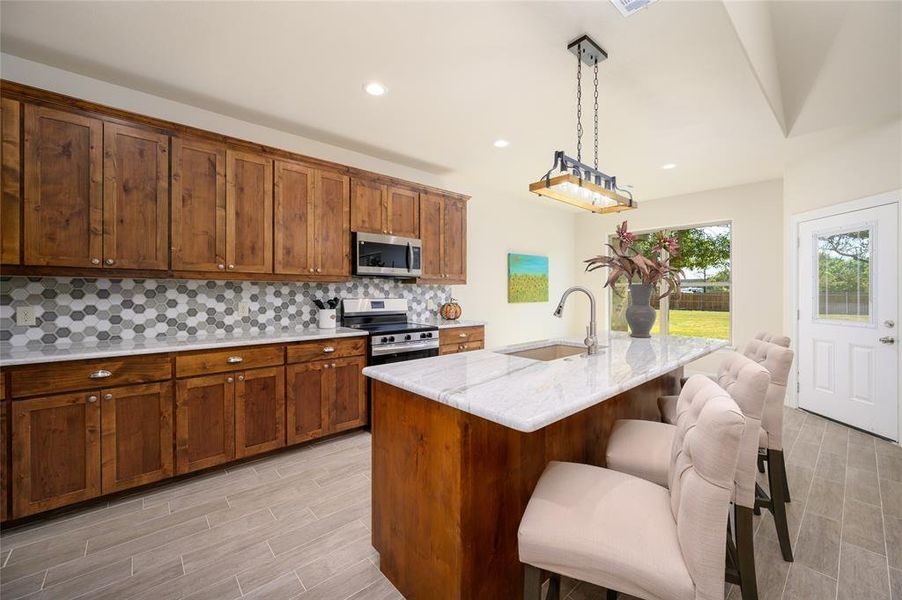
(296, 525)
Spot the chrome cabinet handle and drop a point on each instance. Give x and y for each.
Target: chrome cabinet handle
(311, 269)
(229, 380)
(241, 378)
(333, 365)
(887, 339)
(234, 360)
(100, 374)
(110, 261)
(326, 366)
(221, 267)
(92, 399)
(319, 270)
(95, 261)
(328, 350)
(461, 335)
(231, 266)
(107, 396)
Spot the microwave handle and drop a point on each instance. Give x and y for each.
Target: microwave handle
(409, 256)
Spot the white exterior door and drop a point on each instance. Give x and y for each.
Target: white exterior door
(848, 352)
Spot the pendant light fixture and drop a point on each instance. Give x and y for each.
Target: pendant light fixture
(577, 183)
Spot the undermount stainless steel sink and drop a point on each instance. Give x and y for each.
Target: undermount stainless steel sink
(550, 352)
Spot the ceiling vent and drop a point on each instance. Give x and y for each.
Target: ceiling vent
(628, 7)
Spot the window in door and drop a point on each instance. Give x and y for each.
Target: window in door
(843, 276)
(701, 308)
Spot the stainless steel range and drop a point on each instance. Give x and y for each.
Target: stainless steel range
(393, 338)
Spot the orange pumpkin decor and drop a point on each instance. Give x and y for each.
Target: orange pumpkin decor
(451, 310)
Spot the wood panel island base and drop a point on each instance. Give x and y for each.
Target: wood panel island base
(450, 487)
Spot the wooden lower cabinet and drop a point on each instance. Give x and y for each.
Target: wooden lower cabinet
(56, 457)
(205, 422)
(347, 403)
(325, 397)
(259, 411)
(136, 443)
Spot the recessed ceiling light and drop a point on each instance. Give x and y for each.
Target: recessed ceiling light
(669, 166)
(501, 143)
(374, 88)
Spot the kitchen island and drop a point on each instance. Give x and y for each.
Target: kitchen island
(460, 441)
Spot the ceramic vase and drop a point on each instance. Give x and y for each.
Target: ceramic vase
(640, 315)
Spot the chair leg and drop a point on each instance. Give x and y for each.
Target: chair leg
(745, 551)
(554, 587)
(760, 463)
(783, 470)
(776, 476)
(611, 595)
(532, 583)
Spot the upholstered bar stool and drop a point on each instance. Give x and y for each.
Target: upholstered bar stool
(766, 336)
(633, 536)
(635, 447)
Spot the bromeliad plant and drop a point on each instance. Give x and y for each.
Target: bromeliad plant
(651, 267)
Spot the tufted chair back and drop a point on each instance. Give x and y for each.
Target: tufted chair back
(778, 361)
(747, 382)
(702, 468)
(780, 340)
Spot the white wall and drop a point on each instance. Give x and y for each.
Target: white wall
(755, 211)
(496, 225)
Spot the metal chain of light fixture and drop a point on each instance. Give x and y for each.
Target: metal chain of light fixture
(596, 114)
(579, 103)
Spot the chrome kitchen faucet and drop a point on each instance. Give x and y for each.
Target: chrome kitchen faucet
(591, 340)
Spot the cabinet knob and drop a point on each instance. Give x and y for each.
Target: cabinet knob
(390, 231)
(95, 261)
(92, 399)
(235, 360)
(229, 379)
(311, 269)
(333, 365)
(241, 378)
(221, 267)
(231, 266)
(107, 396)
(100, 374)
(318, 270)
(110, 261)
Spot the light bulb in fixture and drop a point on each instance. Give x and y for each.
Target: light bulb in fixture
(374, 88)
(669, 166)
(501, 143)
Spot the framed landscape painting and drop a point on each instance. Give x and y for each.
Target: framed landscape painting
(527, 278)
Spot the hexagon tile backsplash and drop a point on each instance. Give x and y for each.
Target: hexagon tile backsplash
(86, 310)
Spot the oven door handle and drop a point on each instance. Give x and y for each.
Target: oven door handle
(404, 347)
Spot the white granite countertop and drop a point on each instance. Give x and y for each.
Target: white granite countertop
(17, 355)
(446, 324)
(526, 394)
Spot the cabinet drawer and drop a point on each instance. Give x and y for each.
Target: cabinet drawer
(320, 349)
(220, 361)
(87, 374)
(461, 347)
(457, 335)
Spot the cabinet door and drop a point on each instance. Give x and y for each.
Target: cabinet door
(4, 457)
(11, 177)
(454, 240)
(259, 411)
(403, 212)
(431, 208)
(198, 206)
(135, 198)
(63, 203)
(293, 205)
(57, 451)
(306, 394)
(347, 404)
(136, 435)
(332, 218)
(205, 422)
(368, 204)
(248, 213)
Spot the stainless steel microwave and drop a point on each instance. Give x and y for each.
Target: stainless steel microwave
(387, 255)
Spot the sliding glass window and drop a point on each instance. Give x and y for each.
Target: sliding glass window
(702, 306)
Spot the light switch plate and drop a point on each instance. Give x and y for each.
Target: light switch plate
(25, 316)
(244, 309)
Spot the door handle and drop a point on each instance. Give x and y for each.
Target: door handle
(887, 339)
(890, 324)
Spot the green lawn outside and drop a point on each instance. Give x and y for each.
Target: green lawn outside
(697, 323)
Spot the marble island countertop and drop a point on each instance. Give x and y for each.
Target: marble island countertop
(22, 355)
(526, 394)
(446, 324)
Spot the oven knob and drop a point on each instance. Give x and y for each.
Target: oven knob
(384, 340)
(407, 337)
(391, 339)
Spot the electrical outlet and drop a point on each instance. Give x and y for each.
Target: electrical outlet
(25, 316)
(432, 305)
(244, 309)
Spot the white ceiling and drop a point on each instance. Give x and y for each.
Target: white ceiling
(686, 82)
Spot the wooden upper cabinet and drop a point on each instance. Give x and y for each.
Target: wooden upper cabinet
(198, 205)
(294, 222)
(205, 422)
(63, 191)
(135, 198)
(306, 401)
(136, 435)
(368, 207)
(347, 406)
(57, 451)
(431, 210)
(248, 212)
(332, 224)
(10, 181)
(454, 240)
(403, 212)
(259, 411)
